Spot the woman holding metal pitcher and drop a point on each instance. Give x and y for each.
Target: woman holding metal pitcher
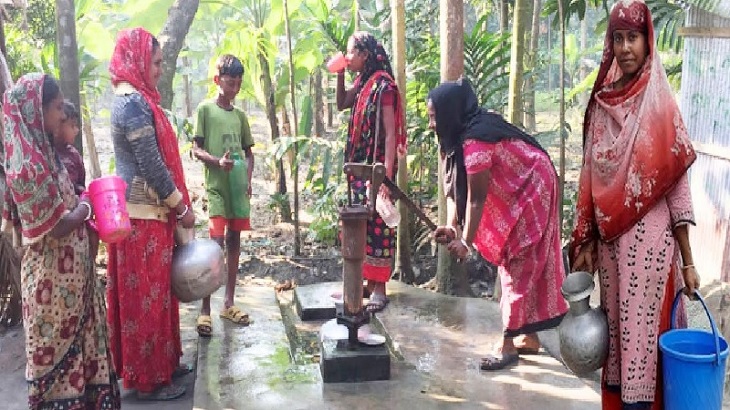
(634, 206)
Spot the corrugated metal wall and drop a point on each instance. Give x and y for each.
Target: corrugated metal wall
(705, 104)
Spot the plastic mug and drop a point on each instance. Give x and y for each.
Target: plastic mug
(337, 63)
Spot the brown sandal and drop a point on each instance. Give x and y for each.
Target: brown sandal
(204, 326)
(235, 315)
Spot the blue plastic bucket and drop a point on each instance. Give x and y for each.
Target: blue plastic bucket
(694, 365)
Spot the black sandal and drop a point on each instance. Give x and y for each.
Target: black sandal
(182, 370)
(164, 393)
(377, 302)
(494, 362)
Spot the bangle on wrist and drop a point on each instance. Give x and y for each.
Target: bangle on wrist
(685, 267)
(183, 213)
(88, 210)
(463, 242)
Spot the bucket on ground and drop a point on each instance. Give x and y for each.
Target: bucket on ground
(693, 363)
(110, 208)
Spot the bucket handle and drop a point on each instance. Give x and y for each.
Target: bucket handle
(715, 334)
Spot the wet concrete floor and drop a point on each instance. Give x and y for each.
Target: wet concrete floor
(436, 342)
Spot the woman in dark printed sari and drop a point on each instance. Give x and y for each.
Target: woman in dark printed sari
(68, 363)
(376, 133)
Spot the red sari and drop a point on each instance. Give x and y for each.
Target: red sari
(143, 312)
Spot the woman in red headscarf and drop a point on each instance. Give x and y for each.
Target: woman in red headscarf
(634, 206)
(143, 312)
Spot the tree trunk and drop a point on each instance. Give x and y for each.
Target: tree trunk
(530, 122)
(503, 16)
(68, 56)
(187, 89)
(403, 266)
(3, 47)
(563, 133)
(328, 101)
(319, 127)
(85, 110)
(6, 81)
(172, 37)
(550, 53)
(268, 87)
(584, 70)
(295, 159)
(515, 107)
(357, 15)
(451, 277)
(10, 286)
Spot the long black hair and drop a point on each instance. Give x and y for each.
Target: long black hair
(50, 90)
(377, 58)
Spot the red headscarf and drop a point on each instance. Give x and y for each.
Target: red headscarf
(33, 202)
(130, 63)
(636, 146)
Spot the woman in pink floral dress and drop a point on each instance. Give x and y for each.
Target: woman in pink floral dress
(502, 188)
(634, 206)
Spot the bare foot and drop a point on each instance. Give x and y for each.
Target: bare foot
(527, 344)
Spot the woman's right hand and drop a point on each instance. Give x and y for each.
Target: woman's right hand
(188, 220)
(444, 234)
(185, 215)
(587, 255)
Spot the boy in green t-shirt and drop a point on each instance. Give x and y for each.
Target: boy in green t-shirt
(221, 132)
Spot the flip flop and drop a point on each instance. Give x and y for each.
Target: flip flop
(235, 315)
(164, 393)
(494, 362)
(182, 370)
(204, 326)
(377, 303)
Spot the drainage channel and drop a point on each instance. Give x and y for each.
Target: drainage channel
(303, 336)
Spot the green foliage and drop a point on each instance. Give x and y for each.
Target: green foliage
(28, 34)
(486, 57)
(21, 53)
(38, 20)
(668, 18)
(570, 8)
(330, 23)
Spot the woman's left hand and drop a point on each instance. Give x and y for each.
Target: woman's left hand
(458, 249)
(384, 192)
(691, 280)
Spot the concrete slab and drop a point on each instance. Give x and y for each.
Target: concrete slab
(364, 364)
(314, 302)
(436, 340)
(445, 336)
(249, 367)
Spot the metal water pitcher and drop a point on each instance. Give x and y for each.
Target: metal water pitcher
(584, 330)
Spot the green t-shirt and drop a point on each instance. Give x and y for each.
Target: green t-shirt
(222, 131)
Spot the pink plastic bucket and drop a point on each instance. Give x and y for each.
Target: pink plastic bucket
(110, 208)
